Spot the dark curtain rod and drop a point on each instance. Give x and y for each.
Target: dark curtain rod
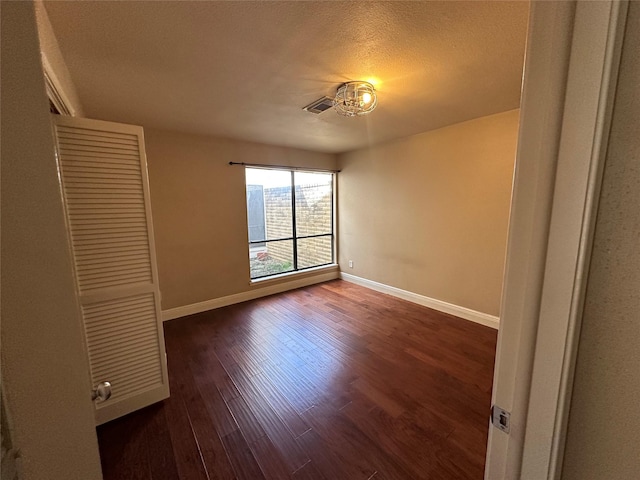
(285, 167)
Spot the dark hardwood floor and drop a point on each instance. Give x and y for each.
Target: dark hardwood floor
(332, 381)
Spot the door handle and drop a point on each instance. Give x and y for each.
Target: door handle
(102, 392)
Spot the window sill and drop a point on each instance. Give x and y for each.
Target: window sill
(291, 275)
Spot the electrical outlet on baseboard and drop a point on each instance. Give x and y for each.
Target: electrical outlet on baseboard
(350, 263)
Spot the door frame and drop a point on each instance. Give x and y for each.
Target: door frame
(571, 67)
(45, 374)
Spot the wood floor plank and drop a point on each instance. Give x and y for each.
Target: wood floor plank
(333, 461)
(292, 420)
(249, 425)
(162, 462)
(384, 401)
(289, 449)
(344, 435)
(128, 459)
(186, 403)
(269, 458)
(404, 440)
(297, 390)
(244, 462)
(186, 451)
(330, 381)
(208, 371)
(212, 452)
(308, 472)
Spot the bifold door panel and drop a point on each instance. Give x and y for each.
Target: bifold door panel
(106, 192)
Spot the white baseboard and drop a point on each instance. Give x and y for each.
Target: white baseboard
(256, 292)
(462, 312)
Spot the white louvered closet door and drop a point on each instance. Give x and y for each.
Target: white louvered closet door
(106, 192)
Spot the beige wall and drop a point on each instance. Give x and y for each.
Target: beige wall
(45, 372)
(603, 439)
(429, 213)
(199, 212)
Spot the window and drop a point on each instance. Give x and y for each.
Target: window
(290, 220)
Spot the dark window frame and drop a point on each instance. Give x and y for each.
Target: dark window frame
(294, 238)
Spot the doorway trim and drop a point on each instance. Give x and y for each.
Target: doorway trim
(571, 67)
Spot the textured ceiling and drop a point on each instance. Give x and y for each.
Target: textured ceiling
(245, 69)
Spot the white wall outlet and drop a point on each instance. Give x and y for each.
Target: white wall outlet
(350, 263)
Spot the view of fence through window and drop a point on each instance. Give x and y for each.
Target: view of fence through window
(290, 220)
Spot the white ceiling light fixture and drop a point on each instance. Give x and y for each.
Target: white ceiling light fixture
(354, 99)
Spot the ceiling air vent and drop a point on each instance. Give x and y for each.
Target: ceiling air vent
(319, 105)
